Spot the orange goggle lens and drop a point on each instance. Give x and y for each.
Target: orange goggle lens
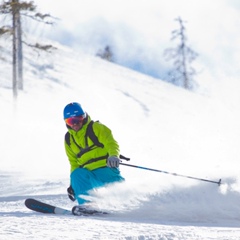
(74, 120)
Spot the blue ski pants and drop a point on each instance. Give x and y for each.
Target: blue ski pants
(83, 180)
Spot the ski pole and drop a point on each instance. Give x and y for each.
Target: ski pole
(174, 174)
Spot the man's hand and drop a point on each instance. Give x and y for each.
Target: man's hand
(71, 193)
(113, 162)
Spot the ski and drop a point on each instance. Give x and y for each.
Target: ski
(46, 208)
(42, 207)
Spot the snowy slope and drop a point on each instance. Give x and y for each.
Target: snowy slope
(157, 125)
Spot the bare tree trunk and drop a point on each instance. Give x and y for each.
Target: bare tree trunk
(14, 50)
(19, 50)
(185, 74)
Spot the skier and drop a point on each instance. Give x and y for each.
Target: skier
(92, 151)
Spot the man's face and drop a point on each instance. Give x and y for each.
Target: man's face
(75, 122)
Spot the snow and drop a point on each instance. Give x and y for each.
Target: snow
(157, 125)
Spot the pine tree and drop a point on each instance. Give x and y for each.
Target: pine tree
(182, 57)
(16, 9)
(106, 54)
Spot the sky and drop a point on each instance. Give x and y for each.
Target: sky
(140, 31)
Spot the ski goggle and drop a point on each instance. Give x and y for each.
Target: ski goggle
(74, 120)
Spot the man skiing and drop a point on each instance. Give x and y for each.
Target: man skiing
(92, 151)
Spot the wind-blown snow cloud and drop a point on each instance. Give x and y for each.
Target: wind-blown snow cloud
(140, 31)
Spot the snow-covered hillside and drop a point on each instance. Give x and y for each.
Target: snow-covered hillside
(156, 124)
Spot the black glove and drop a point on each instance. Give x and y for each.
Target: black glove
(71, 194)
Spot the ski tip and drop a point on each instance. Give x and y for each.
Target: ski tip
(39, 206)
(28, 201)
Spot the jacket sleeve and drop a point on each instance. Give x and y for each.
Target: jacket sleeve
(105, 136)
(71, 157)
